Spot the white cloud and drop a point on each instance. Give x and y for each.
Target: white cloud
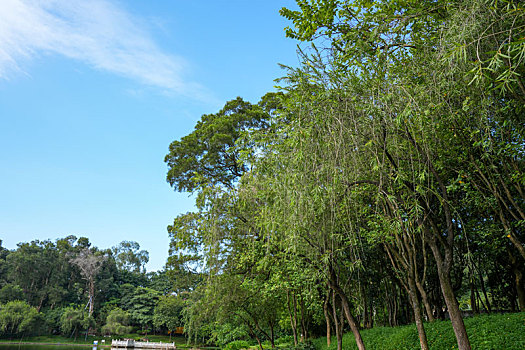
(96, 32)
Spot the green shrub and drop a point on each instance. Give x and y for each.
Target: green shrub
(19, 318)
(74, 320)
(117, 322)
(52, 320)
(237, 345)
(307, 345)
(287, 339)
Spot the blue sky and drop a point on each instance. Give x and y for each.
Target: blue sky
(92, 93)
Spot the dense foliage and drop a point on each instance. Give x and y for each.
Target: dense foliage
(383, 185)
(69, 287)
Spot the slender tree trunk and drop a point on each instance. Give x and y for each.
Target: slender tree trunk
(346, 307)
(351, 321)
(258, 341)
(254, 335)
(40, 303)
(412, 293)
(304, 328)
(482, 284)
(394, 322)
(272, 335)
(473, 299)
(426, 304)
(518, 279)
(337, 322)
(520, 289)
(293, 316)
(447, 242)
(519, 246)
(450, 300)
(91, 295)
(366, 313)
(326, 304)
(480, 300)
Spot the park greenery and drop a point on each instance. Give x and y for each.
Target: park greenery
(71, 288)
(383, 185)
(375, 200)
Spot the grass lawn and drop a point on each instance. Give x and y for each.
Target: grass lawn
(486, 332)
(180, 341)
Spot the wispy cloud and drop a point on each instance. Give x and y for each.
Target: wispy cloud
(98, 32)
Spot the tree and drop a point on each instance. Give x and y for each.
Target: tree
(160, 281)
(117, 322)
(210, 161)
(19, 318)
(89, 262)
(11, 292)
(75, 319)
(141, 307)
(207, 155)
(3, 265)
(168, 313)
(34, 267)
(129, 257)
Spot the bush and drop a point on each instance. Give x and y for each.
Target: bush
(287, 339)
(18, 318)
(307, 345)
(117, 322)
(52, 320)
(74, 320)
(237, 345)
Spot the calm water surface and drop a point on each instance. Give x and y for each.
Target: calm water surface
(47, 347)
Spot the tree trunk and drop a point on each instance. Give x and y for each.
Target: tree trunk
(272, 334)
(393, 312)
(412, 293)
(366, 313)
(473, 299)
(351, 321)
(327, 318)
(293, 316)
(254, 334)
(518, 279)
(517, 243)
(338, 322)
(426, 304)
(450, 299)
(346, 307)
(520, 290)
(91, 295)
(482, 284)
(446, 241)
(304, 328)
(259, 342)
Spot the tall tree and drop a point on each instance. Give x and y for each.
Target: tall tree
(90, 263)
(128, 256)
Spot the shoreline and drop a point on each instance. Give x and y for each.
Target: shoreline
(53, 344)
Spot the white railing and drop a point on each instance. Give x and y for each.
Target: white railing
(130, 343)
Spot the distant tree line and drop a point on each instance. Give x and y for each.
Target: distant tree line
(69, 287)
(384, 184)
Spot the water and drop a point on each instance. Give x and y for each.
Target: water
(49, 347)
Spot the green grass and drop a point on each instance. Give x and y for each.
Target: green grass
(58, 339)
(486, 332)
(53, 339)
